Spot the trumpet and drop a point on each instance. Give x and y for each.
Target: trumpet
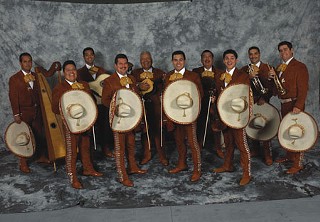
(256, 82)
(281, 90)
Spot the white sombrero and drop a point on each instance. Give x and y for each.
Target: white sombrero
(125, 111)
(20, 140)
(181, 101)
(298, 132)
(234, 104)
(264, 123)
(78, 110)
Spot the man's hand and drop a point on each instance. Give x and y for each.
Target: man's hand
(271, 73)
(253, 74)
(213, 99)
(261, 101)
(17, 119)
(296, 110)
(56, 66)
(144, 86)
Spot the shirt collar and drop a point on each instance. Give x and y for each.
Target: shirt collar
(210, 69)
(88, 66)
(149, 70)
(231, 71)
(257, 64)
(182, 71)
(25, 73)
(287, 62)
(70, 83)
(120, 75)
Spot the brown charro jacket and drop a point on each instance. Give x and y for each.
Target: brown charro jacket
(24, 100)
(84, 74)
(111, 85)
(61, 88)
(295, 80)
(263, 76)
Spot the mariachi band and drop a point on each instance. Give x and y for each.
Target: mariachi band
(90, 107)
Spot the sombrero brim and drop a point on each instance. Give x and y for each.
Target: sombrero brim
(130, 122)
(13, 130)
(170, 107)
(84, 123)
(309, 138)
(272, 126)
(227, 114)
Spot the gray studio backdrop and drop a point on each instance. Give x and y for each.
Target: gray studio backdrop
(56, 31)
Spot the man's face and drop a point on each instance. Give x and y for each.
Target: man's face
(207, 60)
(178, 62)
(121, 66)
(26, 63)
(70, 73)
(254, 56)
(230, 61)
(285, 52)
(146, 61)
(89, 57)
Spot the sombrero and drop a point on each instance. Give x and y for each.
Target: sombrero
(125, 111)
(181, 101)
(264, 123)
(298, 132)
(20, 140)
(234, 104)
(78, 110)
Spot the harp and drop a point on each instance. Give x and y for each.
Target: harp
(52, 123)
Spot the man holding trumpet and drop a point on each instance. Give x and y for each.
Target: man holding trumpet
(293, 76)
(262, 92)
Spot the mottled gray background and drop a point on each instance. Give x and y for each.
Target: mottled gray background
(53, 31)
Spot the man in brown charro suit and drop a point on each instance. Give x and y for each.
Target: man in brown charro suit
(146, 76)
(25, 103)
(189, 130)
(88, 73)
(294, 78)
(206, 73)
(261, 70)
(82, 141)
(234, 136)
(122, 140)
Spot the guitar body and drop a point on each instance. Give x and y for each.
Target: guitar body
(97, 85)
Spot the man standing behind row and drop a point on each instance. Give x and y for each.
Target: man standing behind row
(181, 131)
(122, 141)
(207, 73)
(88, 73)
(150, 82)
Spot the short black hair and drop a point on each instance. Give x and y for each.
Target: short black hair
(289, 44)
(254, 47)
(179, 52)
(24, 54)
(68, 62)
(86, 49)
(230, 51)
(205, 51)
(120, 56)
